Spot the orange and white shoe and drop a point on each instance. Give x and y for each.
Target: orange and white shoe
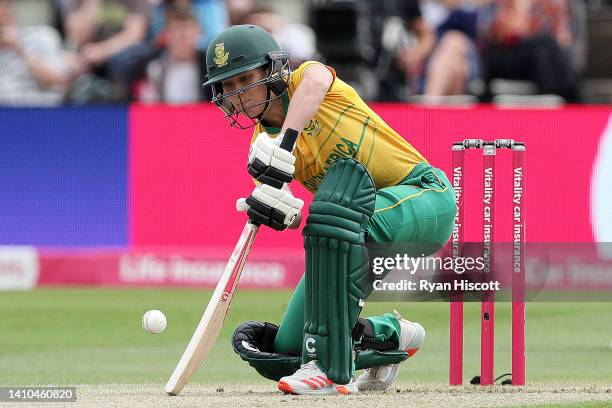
(412, 336)
(311, 380)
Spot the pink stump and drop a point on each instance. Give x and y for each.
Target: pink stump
(487, 316)
(518, 270)
(456, 306)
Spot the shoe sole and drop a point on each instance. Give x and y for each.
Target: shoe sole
(420, 334)
(335, 390)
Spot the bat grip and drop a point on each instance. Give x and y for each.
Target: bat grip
(289, 139)
(287, 144)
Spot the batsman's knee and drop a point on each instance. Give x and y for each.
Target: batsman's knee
(253, 341)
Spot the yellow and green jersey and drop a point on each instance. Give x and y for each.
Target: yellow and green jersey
(344, 126)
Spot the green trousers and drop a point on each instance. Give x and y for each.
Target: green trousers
(419, 209)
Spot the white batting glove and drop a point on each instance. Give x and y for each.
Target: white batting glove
(270, 206)
(268, 163)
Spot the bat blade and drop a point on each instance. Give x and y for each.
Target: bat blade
(210, 325)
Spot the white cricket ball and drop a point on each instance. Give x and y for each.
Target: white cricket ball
(154, 322)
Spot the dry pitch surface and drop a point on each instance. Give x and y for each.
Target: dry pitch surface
(152, 395)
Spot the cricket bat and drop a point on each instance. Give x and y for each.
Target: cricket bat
(208, 329)
(210, 325)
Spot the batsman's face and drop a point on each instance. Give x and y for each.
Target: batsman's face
(249, 99)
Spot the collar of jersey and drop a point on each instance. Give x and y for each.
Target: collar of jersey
(285, 103)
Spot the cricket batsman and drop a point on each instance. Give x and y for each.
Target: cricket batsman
(369, 184)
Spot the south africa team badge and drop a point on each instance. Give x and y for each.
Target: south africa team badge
(221, 56)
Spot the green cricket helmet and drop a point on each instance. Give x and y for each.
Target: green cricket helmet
(239, 49)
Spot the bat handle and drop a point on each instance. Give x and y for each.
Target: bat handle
(289, 139)
(287, 144)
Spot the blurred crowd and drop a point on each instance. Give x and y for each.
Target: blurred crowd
(55, 52)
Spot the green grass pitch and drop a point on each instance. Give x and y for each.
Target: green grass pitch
(93, 336)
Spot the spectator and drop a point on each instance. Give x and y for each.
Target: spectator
(405, 42)
(176, 76)
(237, 10)
(455, 60)
(211, 15)
(530, 40)
(106, 34)
(295, 38)
(33, 70)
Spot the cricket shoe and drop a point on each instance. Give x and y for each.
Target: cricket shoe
(379, 378)
(311, 380)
